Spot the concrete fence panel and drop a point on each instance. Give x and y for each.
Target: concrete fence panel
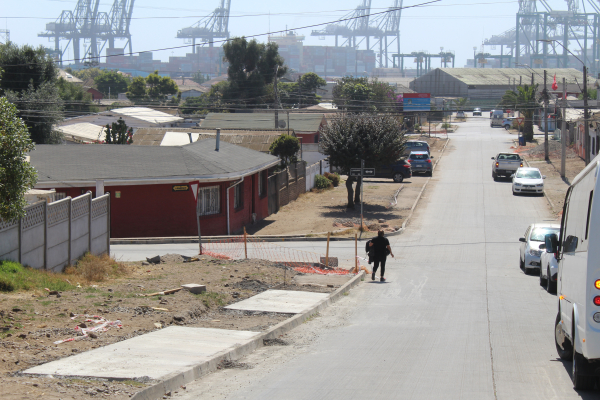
(51, 236)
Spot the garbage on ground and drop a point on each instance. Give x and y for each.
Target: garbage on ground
(102, 325)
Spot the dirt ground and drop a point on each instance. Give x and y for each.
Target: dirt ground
(30, 322)
(318, 212)
(554, 185)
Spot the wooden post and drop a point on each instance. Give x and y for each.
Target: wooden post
(245, 243)
(327, 252)
(355, 252)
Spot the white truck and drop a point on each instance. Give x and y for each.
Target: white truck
(497, 117)
(505, 164)
(577, 249)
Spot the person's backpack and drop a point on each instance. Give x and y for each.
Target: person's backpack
(367, 247)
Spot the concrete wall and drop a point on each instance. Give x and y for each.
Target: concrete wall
(53, 235)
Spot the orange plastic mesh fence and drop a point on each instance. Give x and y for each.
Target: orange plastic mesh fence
(300, 260)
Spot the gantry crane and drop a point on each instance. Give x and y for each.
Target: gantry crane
(214, 26)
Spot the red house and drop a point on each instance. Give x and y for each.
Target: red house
(159, 191)
(96, 95)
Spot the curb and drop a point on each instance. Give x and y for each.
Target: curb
(275, 238)
(175, 381)
(545, 194)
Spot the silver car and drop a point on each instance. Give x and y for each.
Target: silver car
(530, 251)
(420, 162)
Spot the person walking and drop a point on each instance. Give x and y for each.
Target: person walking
(381, 248)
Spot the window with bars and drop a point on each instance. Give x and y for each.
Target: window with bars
(238, 198)
(209, 200)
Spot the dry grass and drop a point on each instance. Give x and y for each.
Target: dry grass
(93, 268)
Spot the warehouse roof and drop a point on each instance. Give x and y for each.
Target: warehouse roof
(299, 122)
(147, 114)
(500, 76)
(123, 163)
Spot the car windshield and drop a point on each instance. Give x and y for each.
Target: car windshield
(415, 144)
(418, 157)
(539, 234)
(529, 174)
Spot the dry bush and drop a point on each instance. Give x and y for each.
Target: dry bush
(93, 268)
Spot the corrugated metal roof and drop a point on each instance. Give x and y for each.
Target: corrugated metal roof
(299, 122)
(83, 131)
(147, 114)
(500, 76)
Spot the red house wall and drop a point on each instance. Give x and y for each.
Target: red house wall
(158, 211)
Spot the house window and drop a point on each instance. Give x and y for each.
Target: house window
(238, 198)
(209, 200)
(261, 183)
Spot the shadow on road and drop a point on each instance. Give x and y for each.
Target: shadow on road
(584, 394)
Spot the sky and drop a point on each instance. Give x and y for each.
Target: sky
(455, 25)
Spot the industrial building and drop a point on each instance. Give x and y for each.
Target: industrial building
(481, 85)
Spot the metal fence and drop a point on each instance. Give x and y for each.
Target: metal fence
(318, 168)
(53, 235)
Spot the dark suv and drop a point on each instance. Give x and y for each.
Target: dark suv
(397, 171)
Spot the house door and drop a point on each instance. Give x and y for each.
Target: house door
(273, 193)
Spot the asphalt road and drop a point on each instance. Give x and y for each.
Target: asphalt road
(457, 318)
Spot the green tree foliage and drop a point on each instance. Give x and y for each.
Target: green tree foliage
(523, 100)
(379, 140)
(137, 89)
(111, 82)
(310, 82)
(29, 82)
(76, 100)
(460, 103)
(85, 74)
(592, 93)
(252, 67)
(285, 147)
(361, 95)
(159, 87)
(118, 133)
(16, 175)
(200, 78)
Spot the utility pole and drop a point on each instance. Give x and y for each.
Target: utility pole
(532, 79)
(563, 131)
(276, 97)
(586, 117)
(546, 157)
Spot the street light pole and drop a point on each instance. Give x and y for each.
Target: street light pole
(563, 131)
(585, 101)
(546, 156)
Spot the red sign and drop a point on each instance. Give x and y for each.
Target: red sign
(520, 120)
(417, 95)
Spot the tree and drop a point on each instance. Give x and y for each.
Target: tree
(361, 95)
(118, 133)
(252, 66)
(137, 89)
(16, 174)
(379, 140)
(460, 103)
(310, 82)
(524, 100)
(29, 82)
(76, 100)
(111, 82)
(85, 74)
(285, 147)
(200, 78)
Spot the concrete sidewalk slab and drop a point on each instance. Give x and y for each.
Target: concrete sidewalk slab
(154, 355)
(281, 301)
(321, 280)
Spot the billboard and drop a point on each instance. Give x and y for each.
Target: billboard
(416, 102)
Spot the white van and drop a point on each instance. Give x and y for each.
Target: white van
(577, 325)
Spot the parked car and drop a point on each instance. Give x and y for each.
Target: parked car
(415, 145)
(507, 123)
(420, 161)
(505, 164)
(399, 171)
(528, 180)
(460, 114)
(548, 267)
(477, 111)
(530, 252)
(577, 324)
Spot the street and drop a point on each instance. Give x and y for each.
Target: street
(457, 318)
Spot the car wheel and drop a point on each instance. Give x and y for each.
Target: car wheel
(429, 173)
(514, 193)
(506, 127)
(550, 286)
(521, 263)
(543, 282)
(494, 176)
(398, 177)
(581, 382)
(564, 349)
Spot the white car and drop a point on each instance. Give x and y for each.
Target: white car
(548, 270)
(530, 252)
(528, 180)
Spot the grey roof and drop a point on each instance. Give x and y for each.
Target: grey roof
(500, 76)
(255, 140)
(299, 122)
(199, 160)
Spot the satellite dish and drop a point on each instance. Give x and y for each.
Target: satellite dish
(281, 123)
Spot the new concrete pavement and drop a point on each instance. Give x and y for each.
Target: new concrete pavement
(457, 318)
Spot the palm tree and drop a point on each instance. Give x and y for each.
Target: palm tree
(523, 100)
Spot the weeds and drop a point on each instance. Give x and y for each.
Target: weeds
(13, 277)
(210, 299)
(93, 268)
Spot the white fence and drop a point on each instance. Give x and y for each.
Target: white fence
(53, 235)
(318, 168)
